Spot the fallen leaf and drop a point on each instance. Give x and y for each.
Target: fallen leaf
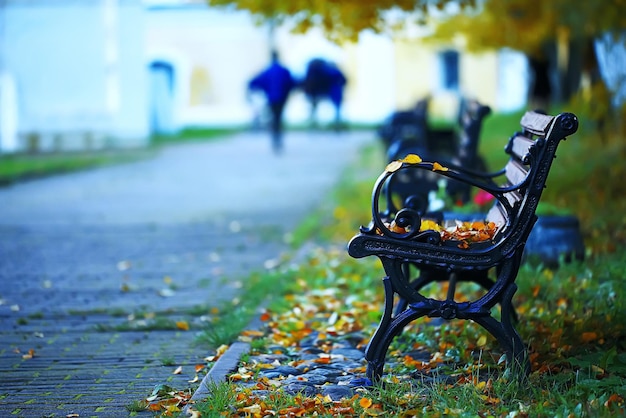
(482, 340)
(29, 355)
(154, 407)
(614, 399)
(365, 403)
(393, 166)
(589, 336)
(182, 325)
(193, 413)
(412, 159)
(439, 167)
(178, 370)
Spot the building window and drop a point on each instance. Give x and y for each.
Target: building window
(450, 69)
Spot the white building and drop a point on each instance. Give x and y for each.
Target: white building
(78, 74)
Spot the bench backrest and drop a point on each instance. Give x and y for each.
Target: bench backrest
(531, 153)
(471, 121)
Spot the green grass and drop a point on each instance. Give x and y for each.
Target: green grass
(23, 166)
(195, 134)
(15, 167)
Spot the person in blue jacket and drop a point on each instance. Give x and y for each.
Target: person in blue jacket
(276, 82)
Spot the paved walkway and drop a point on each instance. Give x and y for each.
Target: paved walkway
(87, 258)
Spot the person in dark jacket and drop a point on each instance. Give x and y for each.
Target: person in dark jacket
(324, 80)
(276, 82)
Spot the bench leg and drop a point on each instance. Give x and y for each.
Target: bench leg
(507, 336)
(388, 328)
(392, 325)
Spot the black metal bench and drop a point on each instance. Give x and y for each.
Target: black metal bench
(414, 257)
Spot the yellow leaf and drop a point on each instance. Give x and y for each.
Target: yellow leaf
(393, 166)
(439, 167)
(183, 325)
(222, 349)
(430, 225)
(412, 159)
(172, 408)
(482, 340)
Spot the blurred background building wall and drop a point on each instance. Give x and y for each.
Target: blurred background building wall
(78, 74)
(216, 51)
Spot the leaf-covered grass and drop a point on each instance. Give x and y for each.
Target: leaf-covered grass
(573, 317)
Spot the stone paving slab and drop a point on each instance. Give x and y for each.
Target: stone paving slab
(81, 252)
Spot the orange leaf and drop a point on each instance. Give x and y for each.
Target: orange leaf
(31, 354)
(252, 333)
(589, 336)
(183, 325)
(265, 317)
(154, 407)
(535, 290)
(199, 367)
(614, 399)
(365, 403)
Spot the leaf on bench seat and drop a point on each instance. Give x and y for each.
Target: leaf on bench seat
(439, 167)
(469, 232)
(430, 225)
(465, 233)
